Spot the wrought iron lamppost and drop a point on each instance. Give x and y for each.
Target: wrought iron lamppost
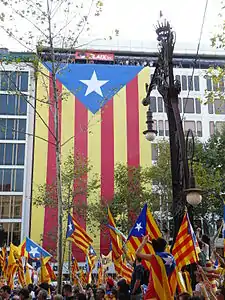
(183, 183)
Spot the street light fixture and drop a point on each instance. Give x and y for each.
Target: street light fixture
(183, 181)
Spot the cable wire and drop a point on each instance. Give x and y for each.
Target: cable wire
(196, 56)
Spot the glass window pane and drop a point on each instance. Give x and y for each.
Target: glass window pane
(210, 108)
(8, 154)
(2, 129)
(154, 151)
(13, 81)
(153, 104)
(190, 83)
(208, 84)
(196, 83)
(1, 180)
(211, 128)
(199, 129)
(12, 104)
(10, 233)
(20, 154)
(22, 108)
(3, 104)
(21, 129)
(160, 128)
(188, 104)
(220, 126)
(219, 107)
(24, 82)
(221, 85)
(2, 150)
(184, 82)
(189, 125)
(4, 81)
(180, 104)
(197, 106)
(166, 128)
(10, 129)
(160, 104)
(18, 180)
(7, 186)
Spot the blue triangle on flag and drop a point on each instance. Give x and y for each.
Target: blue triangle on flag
(139, 228)
(94, 84)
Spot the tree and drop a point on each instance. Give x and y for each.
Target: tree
(73, 172)
(50, 23)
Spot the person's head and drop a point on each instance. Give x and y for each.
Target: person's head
(100, 294)
(122, 286)
(198, 277)
(67, 290)
(137, 261)
(80, 296)
(159, 245)
(184, 296)
(24, 294)
(58, 297)
(30, 287)
(5, 292)
(44, 286)
(42, 295)
(109, 284)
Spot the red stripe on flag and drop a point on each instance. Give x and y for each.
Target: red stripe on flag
(81, 151)
(50, 219)
(133, 147)
(133, 143)
(107, 167)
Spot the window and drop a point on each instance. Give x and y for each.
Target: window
(13, 104)
(210, 108)
(199, 128)
(12, 154)
(180, 104)
(219, 126)
(154, 151)
(184, 82)
(153, 104)
(10, 233)
(211, 128)
(12, 129)
(13, 81)
(160, 128)
(208, 83)
(188, 104)
(190, 83)
(219, 107)
(160, 104)
(197, 106)
(11, 180)
(11, 207)
(196, 83)
(166, 128)
(189, 125)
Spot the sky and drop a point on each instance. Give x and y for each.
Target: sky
(135, 20)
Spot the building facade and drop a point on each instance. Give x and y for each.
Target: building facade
(17, 99)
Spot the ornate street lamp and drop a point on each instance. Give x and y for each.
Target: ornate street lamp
(183, 181)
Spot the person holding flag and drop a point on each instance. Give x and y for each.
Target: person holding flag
(162, 279)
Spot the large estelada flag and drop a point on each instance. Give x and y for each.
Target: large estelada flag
(102, 119)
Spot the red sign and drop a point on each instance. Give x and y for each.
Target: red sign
(94, 56)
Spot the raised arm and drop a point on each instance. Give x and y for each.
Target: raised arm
(142, 255)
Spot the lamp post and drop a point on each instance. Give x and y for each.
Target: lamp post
(183, 182)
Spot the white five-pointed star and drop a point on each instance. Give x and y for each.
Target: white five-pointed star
(168, 260)
(33, 251)
(94, 85)
(138, 227)
(70, 226)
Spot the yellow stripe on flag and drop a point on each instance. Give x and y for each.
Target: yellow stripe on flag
(40, 152)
